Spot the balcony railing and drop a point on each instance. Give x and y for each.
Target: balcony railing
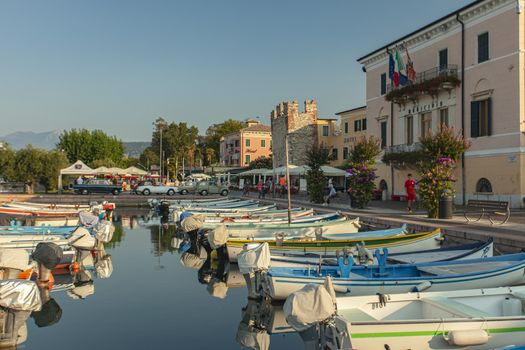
(445, 71)
(429, 82)
(404, 148)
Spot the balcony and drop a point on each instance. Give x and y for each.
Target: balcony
(429, 82)
(403, 156)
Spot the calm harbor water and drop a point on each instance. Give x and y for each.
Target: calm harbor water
(150, 301)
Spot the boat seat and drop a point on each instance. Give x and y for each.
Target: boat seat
(456, 307)
(459, 269)
(356, 315)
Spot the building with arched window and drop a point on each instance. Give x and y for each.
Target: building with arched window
(467, 74)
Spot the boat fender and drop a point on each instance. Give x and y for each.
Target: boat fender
(467, 337)
(422, 286)
(279, 239)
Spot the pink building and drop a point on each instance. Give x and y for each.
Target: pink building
(470, 69)
(241, 147)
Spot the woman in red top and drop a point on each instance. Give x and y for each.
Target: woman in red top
(410, 187)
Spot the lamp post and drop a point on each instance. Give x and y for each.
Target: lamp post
(287, 181)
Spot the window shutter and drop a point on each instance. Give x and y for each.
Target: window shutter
(489, 116)
(474, 119)
(355, 125)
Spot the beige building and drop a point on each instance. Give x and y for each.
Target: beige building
(352, 128)
(470, 69)
(241, 147)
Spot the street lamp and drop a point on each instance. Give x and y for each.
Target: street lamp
(160, 152)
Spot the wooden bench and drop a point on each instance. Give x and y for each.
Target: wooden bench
(489, 208)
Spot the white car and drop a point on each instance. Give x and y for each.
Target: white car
(162, 189)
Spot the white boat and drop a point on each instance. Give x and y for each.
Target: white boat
(478, 319)
(364, 256)
(211, 222)
(395, 244)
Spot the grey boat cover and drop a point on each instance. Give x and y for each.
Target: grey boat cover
(81, 239)
(87, 219)
(104, 231)
(14, 330)
(20, 295)
(104, 266)
(217, 289)
(218, 237)
(17, 259)
(308, 306)
(82, 291)
(192, 261)
(48, 254)
(252, 338)
(253, 259)
(192, 223)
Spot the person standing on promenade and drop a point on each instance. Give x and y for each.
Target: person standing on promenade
(260, 188)
(282, 186)
(410, 187)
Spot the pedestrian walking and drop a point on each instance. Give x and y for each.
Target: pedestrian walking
(246, 190)
(410, 187)
(331, 194)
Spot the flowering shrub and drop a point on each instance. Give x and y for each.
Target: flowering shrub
(361, 184)
(436, 172)
(436, 181)
(361, 173)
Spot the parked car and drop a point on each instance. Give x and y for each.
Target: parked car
(187, 187)
(211, 187)
(161, 189)
(97, 186)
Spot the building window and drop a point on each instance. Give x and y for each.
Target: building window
(443, 117)
(236, 143)
(334, 154)
(443, 60)
(426, 124)
(483, 186)
(383, 84)
(325, 130)
(346, 127)
(263, 143)
(357, 125)
(483, 47)
(481, 118)
(363, 124)
(409, 130)
(248, 143)
(383, 134)
(247, 159)
(345, 153)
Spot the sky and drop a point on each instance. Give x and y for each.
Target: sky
(118, 65)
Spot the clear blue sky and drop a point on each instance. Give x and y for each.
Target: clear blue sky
(117, 65)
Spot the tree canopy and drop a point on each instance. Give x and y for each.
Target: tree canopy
(215, 132)
(89, 146)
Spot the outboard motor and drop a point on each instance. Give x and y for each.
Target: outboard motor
(164, 208)
(48, 256)
(253, 263)
(312, 312)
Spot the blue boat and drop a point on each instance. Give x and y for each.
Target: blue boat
(506, 270)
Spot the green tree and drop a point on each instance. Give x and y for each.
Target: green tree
(53, 162)
(361, 169)
(89, 146)
(261, 163)
(216, 131)
(317, 156)
(7, 163)
(29, 166)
